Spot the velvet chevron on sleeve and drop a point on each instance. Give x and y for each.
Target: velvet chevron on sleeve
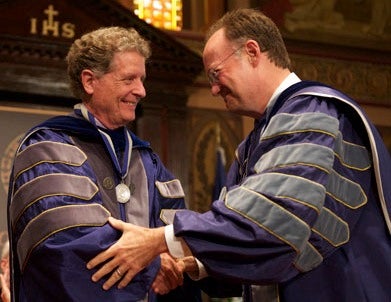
(62, 191)
(305, 203)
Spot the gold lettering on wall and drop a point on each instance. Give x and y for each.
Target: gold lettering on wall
(33, 26)
(50, 24)
(52, 27)
(68, 30)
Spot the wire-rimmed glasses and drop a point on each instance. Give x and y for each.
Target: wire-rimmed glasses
(213, 73)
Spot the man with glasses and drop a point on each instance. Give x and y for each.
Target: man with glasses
(305, 214)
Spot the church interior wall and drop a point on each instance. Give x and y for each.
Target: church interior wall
(343, 43)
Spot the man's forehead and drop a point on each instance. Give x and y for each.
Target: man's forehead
(216, 40)
(215, 46)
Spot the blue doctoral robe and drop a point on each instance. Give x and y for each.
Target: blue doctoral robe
(306, 210)
(58, 208)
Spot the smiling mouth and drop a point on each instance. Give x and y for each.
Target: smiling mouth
(130, 103)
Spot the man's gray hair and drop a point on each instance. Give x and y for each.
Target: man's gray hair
(95, 51)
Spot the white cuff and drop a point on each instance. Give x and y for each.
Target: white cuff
(175, 244)
(176, 248)
(201, 272)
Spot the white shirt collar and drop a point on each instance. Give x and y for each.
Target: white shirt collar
(291, 79)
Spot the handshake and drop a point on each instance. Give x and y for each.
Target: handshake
(136, 248)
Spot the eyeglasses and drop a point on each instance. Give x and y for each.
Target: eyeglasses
(213, 73)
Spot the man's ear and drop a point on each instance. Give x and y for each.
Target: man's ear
(87, 79)
(253, 51)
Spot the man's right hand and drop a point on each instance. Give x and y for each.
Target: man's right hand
(169, 276)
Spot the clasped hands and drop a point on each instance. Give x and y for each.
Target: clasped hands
(136, 248)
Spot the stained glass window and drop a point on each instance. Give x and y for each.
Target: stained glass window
(162, 14)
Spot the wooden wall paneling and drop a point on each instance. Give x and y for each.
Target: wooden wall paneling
(202, 151)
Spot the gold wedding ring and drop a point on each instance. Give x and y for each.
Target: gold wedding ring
(118, 272)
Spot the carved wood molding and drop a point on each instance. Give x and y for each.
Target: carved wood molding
(24, 47)
(170, 59)
(367, 83)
